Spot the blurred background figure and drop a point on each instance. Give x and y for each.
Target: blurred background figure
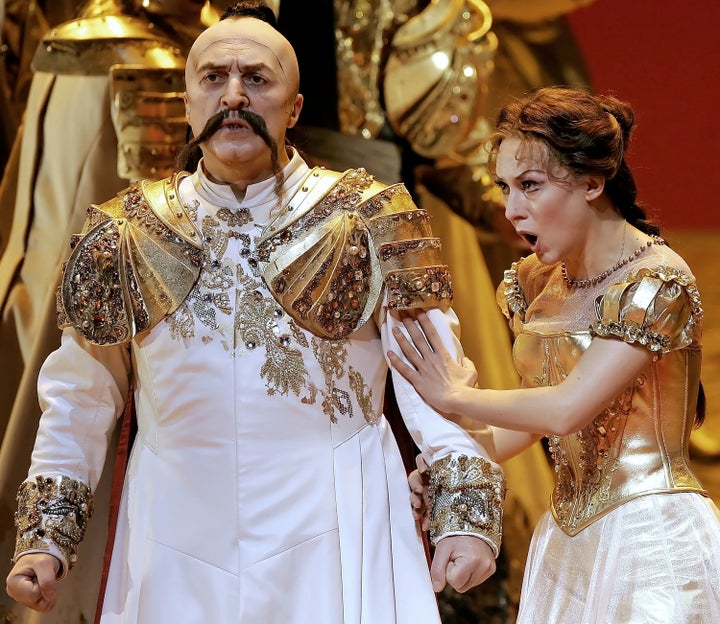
(103, 107)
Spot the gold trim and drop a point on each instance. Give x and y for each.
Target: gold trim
(467, 495)
(52, 511)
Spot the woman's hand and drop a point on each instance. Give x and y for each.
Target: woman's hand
(436, 375)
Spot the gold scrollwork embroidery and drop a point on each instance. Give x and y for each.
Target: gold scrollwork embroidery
(583, 486)
(467, 495)
(52, 510)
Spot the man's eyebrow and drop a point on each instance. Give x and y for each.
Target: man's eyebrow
(253, 67)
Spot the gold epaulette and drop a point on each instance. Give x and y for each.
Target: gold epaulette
(342, 237)
(136, 261)
(90, 46)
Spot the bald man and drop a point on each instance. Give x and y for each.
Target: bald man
(247, 306)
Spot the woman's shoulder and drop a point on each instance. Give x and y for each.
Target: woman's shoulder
(657, 304)
(521, 284)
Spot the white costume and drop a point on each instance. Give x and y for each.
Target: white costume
(264, 485)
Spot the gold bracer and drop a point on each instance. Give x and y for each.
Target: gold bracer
(90, 46)
(341, 238)
(467, 495)
(137, 259)
(148, 113)
(52, 511)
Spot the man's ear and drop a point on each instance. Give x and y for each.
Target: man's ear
(594, 187)
(294, 112)
(187, 107)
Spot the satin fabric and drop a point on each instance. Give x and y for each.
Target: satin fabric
(647, 548)
(653, 560)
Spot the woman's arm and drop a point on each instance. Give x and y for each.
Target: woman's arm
(602, 373)
(509, 443)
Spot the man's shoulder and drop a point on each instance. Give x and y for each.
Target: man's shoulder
(135, 262)
(342, 240)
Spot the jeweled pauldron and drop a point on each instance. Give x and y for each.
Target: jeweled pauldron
(339, 241)
(136, 261)
(467, 495)
(52, 511)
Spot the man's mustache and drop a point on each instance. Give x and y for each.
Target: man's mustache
(256, 123)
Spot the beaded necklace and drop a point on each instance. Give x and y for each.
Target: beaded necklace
(594, 281)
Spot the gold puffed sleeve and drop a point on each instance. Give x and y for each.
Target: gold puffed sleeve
(658, 308)
(510, 296)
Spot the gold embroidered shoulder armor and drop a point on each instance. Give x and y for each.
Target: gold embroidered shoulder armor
(341, 239)
(435, 79)
(136, 260)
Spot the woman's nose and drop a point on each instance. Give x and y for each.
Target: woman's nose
(513, 206)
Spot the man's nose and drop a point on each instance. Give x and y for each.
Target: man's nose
(234, 97)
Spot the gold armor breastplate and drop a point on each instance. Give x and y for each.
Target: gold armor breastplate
(340, 240)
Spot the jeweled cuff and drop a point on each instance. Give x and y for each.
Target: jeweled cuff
(467, 495)
(51, 517)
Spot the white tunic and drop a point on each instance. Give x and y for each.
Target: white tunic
(264, 485)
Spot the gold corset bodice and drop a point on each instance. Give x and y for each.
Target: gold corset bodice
(639, 444)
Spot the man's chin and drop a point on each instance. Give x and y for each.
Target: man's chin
(236, 160)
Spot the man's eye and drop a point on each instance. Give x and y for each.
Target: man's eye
(212, 78)
(256, 79)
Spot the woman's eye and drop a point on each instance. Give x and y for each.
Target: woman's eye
(528, 185)
(503, 187)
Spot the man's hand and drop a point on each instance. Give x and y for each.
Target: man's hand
(463, 561)
(32, 581)
(419, 499)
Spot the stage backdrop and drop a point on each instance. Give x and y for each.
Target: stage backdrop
(663, 56)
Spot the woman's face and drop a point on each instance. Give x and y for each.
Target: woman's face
(551, 215)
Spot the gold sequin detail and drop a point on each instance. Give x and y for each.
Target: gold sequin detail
(584, 487)
(363, 395)
(52, 510)
(467, 495)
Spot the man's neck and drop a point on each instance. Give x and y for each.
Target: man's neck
(240, 177)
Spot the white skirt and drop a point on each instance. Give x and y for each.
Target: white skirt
(654, 559)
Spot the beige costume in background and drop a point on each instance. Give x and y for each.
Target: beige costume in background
(67, 159)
